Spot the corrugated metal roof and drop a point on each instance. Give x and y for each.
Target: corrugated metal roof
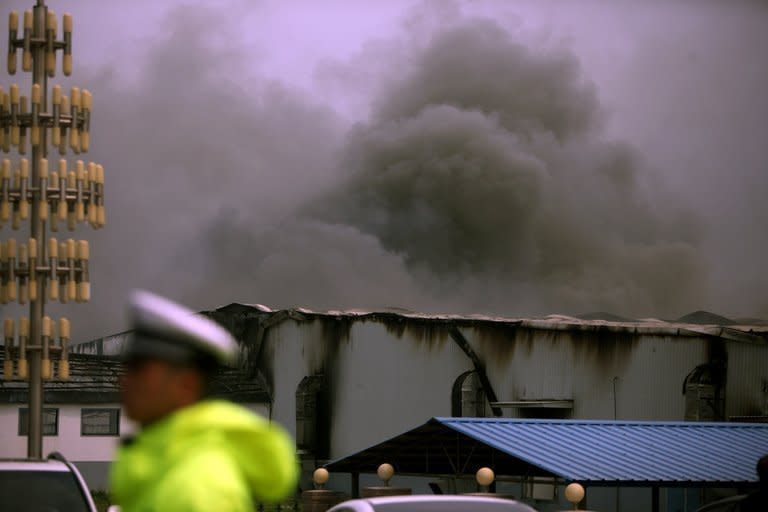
(94, 379)
(593, 452)
(602, 451)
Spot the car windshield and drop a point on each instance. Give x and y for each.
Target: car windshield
(41, 491)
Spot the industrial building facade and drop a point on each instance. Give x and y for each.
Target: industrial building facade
(343, 381)
(374, 374)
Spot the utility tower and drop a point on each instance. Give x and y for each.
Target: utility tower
(41, 194)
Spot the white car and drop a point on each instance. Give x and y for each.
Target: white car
(432, 503)
(52, 485)
(730, 504)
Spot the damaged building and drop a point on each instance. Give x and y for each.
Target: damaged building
(342, 381)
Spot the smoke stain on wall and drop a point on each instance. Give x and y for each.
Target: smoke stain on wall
(500, 341)
(429, 333)
(604, 346)
(609, 348)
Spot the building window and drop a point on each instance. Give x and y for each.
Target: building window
(313, 419)
(467, 396)
(50, 422)
(100, 422)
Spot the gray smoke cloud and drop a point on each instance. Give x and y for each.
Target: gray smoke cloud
(184, 142)
(479, 176)
(485, 166)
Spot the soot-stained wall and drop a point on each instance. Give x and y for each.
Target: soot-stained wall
(386, 373)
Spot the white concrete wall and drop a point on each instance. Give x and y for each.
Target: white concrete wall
(646, 373)
(69, 442)
(386, 386)
(385, 383)
(747, 380)
(11, 445)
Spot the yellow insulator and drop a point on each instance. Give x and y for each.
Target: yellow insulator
(23, 369)
(43, 206)
(26, 60)
(8, 369)
(53, 285)
(8, 328)
(64, 328)
(13, 21)
(10, 291)
(5, 205)
(32, 247)
(74, 131)
(53, 248)
(62, 139)
(50, 57)
(14, 95)
(13, 26)
(84, 291)
(22, 130)
(35, 137)
(71, 249)
(64, 370)
(83, 250)
(53, 289)
(46, 326)
(45, 369)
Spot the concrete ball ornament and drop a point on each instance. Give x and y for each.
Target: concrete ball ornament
(385, 472)
(485, 476)
(320, 476)
(574, 493)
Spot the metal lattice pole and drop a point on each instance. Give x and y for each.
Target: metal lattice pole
(37, 271)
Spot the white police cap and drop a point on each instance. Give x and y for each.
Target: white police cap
(167, 330)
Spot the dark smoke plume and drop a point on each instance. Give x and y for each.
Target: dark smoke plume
(485, 167)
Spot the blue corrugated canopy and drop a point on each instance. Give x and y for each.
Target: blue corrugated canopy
(594, 452)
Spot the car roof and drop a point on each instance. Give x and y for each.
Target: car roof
(435, 502)
(728, 503)
(32, 465)
(433, 498)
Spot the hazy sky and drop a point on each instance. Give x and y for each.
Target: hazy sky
(515, 158)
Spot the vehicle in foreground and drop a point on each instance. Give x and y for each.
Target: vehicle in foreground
(731, 504)
(430, 503)
(52, 485)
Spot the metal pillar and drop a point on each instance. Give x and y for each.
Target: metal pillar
(35, 437)
(355, 490)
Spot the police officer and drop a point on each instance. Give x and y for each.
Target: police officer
(191, 453)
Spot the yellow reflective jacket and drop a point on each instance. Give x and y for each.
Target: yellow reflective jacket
(213, 455)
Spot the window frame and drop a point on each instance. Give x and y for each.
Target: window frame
(24, 412)
(110, 410)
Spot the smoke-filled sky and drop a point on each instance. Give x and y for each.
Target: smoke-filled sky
(513, 158)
